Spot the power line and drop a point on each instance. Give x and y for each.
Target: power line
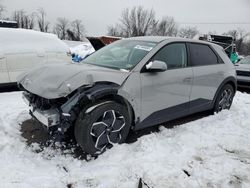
(215, 23)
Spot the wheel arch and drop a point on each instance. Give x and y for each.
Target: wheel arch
(90, 98)
(230, 80)
(121, 100)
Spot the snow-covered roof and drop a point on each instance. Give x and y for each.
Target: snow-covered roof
(7, 21)
(76, 43)
(23, 40)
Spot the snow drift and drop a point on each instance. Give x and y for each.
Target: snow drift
(210, 152)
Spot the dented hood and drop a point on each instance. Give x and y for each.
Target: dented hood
(55, 81)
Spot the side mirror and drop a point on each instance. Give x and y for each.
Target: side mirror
(156, 66)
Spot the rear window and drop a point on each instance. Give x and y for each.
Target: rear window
(202, 55)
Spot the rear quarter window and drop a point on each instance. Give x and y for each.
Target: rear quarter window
(202, 54)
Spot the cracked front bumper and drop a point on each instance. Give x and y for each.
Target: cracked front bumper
(48, 118)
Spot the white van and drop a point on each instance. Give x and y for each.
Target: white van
(22, 50)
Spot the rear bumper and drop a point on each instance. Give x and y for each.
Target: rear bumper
(243, 81)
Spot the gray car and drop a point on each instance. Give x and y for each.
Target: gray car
(243, 72)
(128, 85)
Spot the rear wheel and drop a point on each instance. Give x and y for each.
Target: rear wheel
(225, 98)
(106, 125)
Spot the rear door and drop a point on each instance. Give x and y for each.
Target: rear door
(208, 75)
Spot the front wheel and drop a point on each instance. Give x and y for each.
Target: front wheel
(225, 98)
(106, 125)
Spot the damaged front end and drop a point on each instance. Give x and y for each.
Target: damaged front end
(58, 115)
(46, 111)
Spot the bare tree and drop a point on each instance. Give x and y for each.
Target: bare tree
(61, 27)
(238, 34)
(247, 52)
(71, 35)
(188, 32)
(24, 20)
(240, 37)
(114, 31)
(18, 17)
(41, 20)
(166, 27)
(29, 21)
(78, 29)
(134, 22)
(212, 33)
(2, 10)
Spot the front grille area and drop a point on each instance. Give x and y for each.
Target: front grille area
(243, 73)
(42, 103)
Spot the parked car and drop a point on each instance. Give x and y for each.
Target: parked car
(225, 41)
(130, 84)
(22, 50)
(8, 24)
(243, 72)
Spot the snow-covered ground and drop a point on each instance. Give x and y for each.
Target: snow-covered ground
(210, 152)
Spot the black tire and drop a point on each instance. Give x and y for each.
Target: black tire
(225, 98)
(96, 127)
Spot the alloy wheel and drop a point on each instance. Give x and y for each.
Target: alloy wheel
(106, 131)
(225, 99)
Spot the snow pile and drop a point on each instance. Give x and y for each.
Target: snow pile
(210, 152)
(82, 50)
(72, 43)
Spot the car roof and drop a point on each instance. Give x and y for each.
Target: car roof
(159, 39)
(14, 40)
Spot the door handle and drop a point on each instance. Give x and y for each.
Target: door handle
(187, 80)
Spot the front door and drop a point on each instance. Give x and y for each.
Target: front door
(166, 95)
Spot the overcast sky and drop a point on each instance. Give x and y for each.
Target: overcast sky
(98, 14)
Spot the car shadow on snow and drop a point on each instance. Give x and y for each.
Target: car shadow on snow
(8, 87)
(34, 132)
(244, 90)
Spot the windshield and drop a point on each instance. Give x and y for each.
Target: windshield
(246, 60)
(123, 54)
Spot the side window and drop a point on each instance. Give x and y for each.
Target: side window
(174, 55)
(202, 55)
